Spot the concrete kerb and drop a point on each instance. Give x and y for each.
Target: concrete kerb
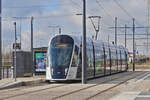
(11, 85)
(22, 83)
(28, 83)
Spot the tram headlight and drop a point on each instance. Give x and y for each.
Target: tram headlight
(66, 70)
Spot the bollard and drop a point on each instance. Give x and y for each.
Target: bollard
(7, 72)
(12, 72)
(3, 72)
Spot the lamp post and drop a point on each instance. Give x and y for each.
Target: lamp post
(133, 44)
(15, 67)
(32, 54)
(84, 63)
(84, 44)
(0, 41)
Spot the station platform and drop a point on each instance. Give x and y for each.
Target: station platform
(121, 86)
(24, 81)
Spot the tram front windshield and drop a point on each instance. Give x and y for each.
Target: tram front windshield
(60, 54)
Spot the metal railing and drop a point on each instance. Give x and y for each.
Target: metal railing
(7, 72)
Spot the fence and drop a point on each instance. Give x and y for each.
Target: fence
(7, 72)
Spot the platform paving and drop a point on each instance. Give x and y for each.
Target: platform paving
(138, 89)
(24, 81)
(133, 86)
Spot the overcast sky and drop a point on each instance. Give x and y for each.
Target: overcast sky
(63, 13)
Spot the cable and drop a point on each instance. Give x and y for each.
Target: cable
(36, 6)
(123, 9)
(76, 3)
(105, 11)
(79, 6)
(98, 2)
(5, 18)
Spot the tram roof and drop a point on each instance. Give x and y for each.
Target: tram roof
(78, 41)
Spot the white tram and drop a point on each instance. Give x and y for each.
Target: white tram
(64, 58)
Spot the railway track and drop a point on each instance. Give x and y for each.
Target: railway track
(29, 92)
(121, 83)
(75, 91)
(17, 88)
(98, 93)
(108, 89)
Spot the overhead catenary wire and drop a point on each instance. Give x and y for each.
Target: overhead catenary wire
(105, 11)
(35, 6)
(75, 4)
(128, 14)
(99, 4)
(6, 18)
(124, 10)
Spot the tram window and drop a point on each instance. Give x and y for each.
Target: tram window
(116, 58)
(123, 58)
(98, 58)
(80, 58)
(118, 54)
(90, 57)
(113, 58)
(75, 57)
(60, 56)
(107, 58)
(102, 58)
(76, 50)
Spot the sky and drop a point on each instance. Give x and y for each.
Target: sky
(63, 13)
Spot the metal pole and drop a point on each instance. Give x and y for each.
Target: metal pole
(20, 31)
(59, 30)
(125, 35)
(116, 30)
(32, 45)
(84, 44)
(15, 58)
(0, 40)
(108, 39)
(96, 35)
(98, 28)
(133, 44)
(148, 22)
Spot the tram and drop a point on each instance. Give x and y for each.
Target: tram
(64, 60)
